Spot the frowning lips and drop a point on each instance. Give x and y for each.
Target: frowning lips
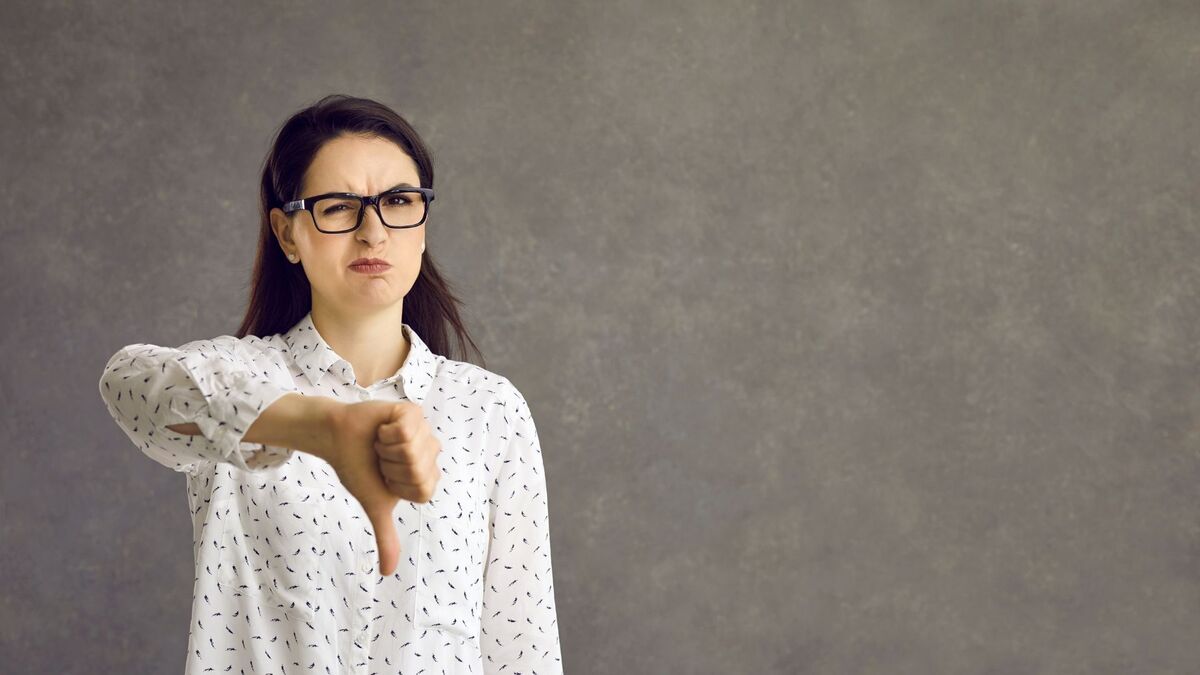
(370, 261)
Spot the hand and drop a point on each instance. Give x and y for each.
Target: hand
(353, 456)
(408, 451)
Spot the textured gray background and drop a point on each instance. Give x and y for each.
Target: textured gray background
(861, 336)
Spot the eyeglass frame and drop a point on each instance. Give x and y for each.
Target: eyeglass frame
(307, 203)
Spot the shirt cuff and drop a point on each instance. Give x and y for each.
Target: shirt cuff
(235, 400)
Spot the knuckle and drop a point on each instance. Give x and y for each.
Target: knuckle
(421, 477)
(412, 429)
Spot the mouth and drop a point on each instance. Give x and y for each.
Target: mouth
(370, 266)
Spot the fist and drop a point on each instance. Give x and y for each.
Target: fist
(408, 451)
(383, 452)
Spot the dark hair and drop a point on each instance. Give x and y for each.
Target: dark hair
(280, 294)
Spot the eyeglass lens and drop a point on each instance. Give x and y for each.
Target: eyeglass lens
(339, 214)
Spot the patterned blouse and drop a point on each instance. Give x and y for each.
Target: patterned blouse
(286, 567)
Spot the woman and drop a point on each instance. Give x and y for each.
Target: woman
(361, 502)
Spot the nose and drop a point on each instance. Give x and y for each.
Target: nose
(371, 230)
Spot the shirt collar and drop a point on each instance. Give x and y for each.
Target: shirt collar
(316, 358)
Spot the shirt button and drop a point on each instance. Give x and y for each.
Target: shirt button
(368, 567)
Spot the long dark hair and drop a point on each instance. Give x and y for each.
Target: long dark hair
(280, 294)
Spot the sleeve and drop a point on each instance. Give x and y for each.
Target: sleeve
(519, 622)
(221, 385)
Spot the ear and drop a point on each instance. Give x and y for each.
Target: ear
(282, 226)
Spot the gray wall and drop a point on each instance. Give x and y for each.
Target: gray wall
(861, 336)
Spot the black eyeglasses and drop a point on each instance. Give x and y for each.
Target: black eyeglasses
(338, 212)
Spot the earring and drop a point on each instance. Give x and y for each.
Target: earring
(422, 247)
(292, 257)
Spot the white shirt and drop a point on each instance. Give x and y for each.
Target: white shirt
(286, 567)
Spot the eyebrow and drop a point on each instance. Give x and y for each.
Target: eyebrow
(397, 185)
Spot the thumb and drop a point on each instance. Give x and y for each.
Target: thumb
(387, 539)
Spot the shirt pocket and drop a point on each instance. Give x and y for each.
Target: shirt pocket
(270, 551)
(449, 559)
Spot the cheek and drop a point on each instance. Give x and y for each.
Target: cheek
(324, 261)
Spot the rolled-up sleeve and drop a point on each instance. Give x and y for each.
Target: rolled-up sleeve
(220, 384)
(519, 620)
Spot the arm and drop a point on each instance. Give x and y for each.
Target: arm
(294, 421)
(220, 387)
(519, 621)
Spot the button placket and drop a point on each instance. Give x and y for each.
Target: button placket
(362, 613)
(362, 648)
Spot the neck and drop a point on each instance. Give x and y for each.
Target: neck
(373, 342)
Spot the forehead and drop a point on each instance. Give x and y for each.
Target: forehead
(366, 165)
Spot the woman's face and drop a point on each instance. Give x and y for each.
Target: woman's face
(364, 166)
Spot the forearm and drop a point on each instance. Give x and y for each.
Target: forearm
(294, 421)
